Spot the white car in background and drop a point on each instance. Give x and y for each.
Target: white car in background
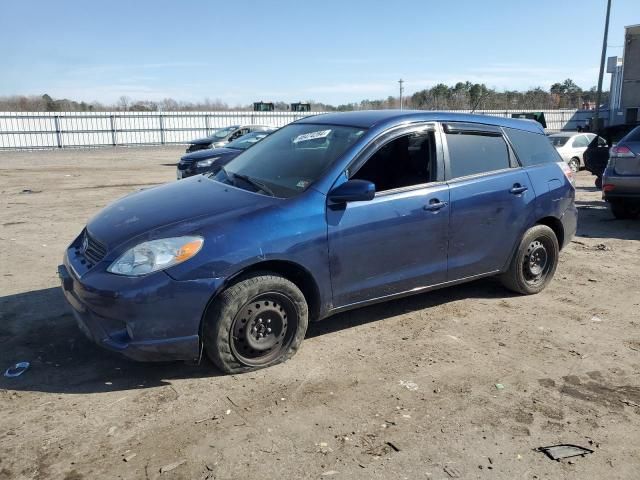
(571, 147)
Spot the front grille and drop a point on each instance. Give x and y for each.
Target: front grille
(93, 250)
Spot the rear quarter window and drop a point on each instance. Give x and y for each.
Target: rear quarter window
(532, 148)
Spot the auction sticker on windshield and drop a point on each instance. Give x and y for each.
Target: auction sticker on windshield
(311, 136)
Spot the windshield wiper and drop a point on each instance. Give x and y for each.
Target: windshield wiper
(259, 185)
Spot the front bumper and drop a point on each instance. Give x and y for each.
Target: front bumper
(151, 318)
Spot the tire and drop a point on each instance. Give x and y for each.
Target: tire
(258, 322)
(598, 183)
(574, 164)
(529, 275)
(623, 210)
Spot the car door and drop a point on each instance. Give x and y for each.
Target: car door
(398, 241)
(578, 146)
(490, 195)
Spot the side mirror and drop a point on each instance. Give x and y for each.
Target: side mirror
(353, 191)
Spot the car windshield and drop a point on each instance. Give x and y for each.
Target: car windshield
(223, 132)
(247, 140)
(558, 140)
(290, 159)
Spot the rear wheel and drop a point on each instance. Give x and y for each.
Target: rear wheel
(574, 164)
(623, 210)
(257, 322)
(598, 183)
(534, 263)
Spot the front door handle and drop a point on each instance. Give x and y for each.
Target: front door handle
(434, 205)
(517, 189)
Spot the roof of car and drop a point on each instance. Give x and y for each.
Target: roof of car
(564, 134)
(372, 118)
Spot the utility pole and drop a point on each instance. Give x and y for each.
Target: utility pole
(596, 117)
(401, 91)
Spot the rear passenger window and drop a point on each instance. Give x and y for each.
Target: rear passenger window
(473, 153)
(532, 148)
(580, 142)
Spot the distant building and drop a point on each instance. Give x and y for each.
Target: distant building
(630, 92)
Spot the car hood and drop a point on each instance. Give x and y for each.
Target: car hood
(178, 204)
(203, 141)
(209, 153)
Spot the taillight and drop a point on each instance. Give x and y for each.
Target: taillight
(567, 172)
(621, 152)
(607, 187)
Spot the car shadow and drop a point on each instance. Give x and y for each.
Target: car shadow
(595, 220)
(38, 327)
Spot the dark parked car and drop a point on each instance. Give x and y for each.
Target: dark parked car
(327, 214)
(596, 155)
(208, 160)
(222, 136)
(621, 178)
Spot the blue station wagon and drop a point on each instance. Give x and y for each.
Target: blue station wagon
(327, 214)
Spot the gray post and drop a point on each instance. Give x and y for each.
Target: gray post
(206, 125)
(112, 124)
(161, 129)
(56, 121)
(596, 117)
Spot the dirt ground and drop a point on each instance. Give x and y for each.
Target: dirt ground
(402, 390)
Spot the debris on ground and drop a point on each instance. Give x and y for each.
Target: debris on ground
(329, 473)
(129, 457)
(596, 318)
(499, 386)
(630, 403)
(409, 385)
(393, 446)
(172, 466)
(565, 450)
(451, 471)
(17, 369)
(603, 247)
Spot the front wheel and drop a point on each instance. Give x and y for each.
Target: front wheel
(534, 263)
(258, 322)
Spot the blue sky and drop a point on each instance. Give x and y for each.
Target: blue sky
(331, 51)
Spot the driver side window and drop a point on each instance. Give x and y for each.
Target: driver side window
(405, 161)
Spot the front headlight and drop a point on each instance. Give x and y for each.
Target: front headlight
(156, 255)
(207, 162)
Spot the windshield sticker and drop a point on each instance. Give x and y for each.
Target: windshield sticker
(312, 136)
(302, 184)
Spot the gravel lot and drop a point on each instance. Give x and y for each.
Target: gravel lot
(403, 390)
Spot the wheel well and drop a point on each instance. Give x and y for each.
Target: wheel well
(556, 225)
(292, 272)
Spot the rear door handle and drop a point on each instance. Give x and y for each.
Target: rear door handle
(434, 205)
(517, 189)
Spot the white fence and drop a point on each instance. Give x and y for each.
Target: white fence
(29, 130)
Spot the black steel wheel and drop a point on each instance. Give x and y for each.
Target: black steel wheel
(257, 322)
(263, 329)
(534, 263)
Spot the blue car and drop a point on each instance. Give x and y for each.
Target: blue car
(208, 160)
(329, 213)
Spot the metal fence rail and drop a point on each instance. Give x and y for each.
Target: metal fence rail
(31, 130)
